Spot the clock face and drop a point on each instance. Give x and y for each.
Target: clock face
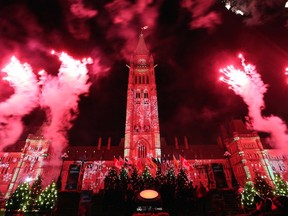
(141, 61)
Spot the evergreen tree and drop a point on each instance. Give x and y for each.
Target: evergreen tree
(20, 199)
(47, 199)
(182, 180)
(182, 185)
(123, 178)
(36, 188)
(111, 179)
(247, 195)
(159, 179)
(170, 177)
(147, 178)
(262, 186)
(281, 187)
(135, 180)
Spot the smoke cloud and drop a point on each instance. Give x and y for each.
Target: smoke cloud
(22, 102)
(125, 16)
(201, 13)
(76, 16)
(60, 96)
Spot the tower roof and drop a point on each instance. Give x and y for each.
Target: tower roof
(141, 48)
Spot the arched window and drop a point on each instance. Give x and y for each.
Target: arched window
(137, 94)
(142, 151)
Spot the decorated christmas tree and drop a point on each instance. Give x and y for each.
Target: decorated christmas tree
(20, 199)
(281, 187)
(111, 179)
(170, 177)
(247, 195)
(262, 186)
(159, 179)
(46, 201)
(135, 180)
(182, 180)
(147, 178)
(123, 178)
(36, 188)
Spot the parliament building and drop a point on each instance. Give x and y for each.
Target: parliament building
(237, 155)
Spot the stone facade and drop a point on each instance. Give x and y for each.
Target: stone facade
(238, 153)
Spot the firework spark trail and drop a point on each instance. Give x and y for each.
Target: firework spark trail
(22, 102)
(249, 85)
(60, 96)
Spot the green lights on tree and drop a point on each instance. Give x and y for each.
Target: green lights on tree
(26, 198)
(47, 199)
(261, 185)
(281, 187)
(20, 199)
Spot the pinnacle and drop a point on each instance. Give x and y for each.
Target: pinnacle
(141, 48)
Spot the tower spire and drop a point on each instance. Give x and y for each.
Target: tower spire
(141, 48)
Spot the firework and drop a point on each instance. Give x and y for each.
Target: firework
(60, 96)
(248, 84)
(22, 102)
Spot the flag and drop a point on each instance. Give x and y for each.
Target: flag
(133, 161)
(152, 166)
(156, 161)
(175, 162)
(151, 163)
(121, 161)
(184, 163)
(139, 166)
(116, 163)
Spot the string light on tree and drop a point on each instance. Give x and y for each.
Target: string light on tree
(20, 199)
(247, 195)
(147, 178)
(262, 186)
(46, 201)
(281, 187)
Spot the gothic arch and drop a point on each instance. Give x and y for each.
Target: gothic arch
(142, 148)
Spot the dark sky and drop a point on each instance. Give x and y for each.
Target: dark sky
(190, 42)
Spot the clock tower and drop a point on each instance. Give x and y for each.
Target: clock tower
(142, 133)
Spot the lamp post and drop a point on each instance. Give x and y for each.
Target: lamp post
(59, 181)
(235, 184)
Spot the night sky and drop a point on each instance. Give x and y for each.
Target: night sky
(189, 40)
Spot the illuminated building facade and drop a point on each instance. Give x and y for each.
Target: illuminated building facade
(142, 134)
(239, 152)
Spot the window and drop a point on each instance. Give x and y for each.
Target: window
(142, 151)
(137, 128)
